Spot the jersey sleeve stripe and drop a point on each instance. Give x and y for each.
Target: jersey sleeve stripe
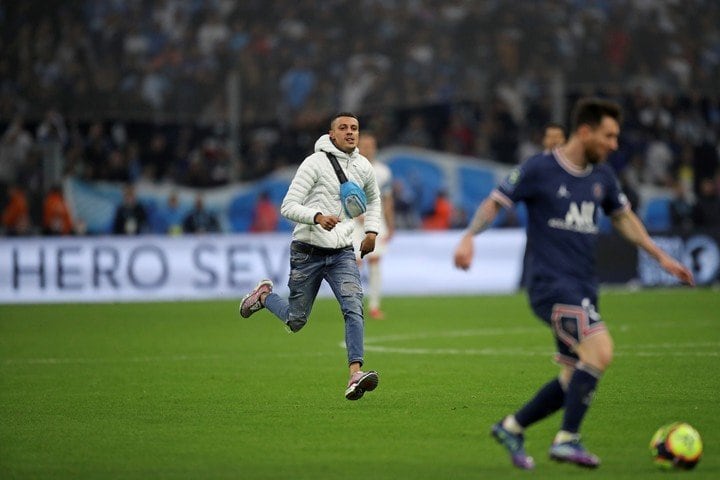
(501, 198)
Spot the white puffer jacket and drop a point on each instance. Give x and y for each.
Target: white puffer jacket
(316, 188)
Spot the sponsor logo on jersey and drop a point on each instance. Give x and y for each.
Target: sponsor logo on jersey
(579, 218)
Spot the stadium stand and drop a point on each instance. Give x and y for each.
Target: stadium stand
(139, 91)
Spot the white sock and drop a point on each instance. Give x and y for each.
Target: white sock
(511, 425)
(562, 436)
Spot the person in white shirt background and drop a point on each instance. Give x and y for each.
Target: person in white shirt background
(368, 148)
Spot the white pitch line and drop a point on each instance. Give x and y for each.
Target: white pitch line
(457, 351)
(707, 349)
(65, 361)
(147, 359)
(482, 332)
(500, 352)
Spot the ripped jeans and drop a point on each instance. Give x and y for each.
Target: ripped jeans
(341, 272)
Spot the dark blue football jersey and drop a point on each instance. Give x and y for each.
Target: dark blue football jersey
(563, 204)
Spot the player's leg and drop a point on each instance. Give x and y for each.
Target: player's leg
(343, 276)
(304, 284)
(548, 399)
(595, 356)
(580, 328)
(374, 287)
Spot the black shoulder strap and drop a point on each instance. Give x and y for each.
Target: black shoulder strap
(338, 169)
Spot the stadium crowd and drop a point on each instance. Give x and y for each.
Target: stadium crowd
(134, 90)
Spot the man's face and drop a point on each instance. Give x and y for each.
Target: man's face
(554, 137)
(601, 141)
(368, 146)
(344, 133)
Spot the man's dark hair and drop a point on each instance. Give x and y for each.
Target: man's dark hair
(342, 114)
(557, 125)
(369, 132)
(590, 111)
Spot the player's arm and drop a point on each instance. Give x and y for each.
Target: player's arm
(630, 227)
(481, 221)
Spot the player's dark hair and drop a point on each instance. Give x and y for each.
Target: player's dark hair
(342, 114)
(590, 111)
(369, 132)
(557, 125)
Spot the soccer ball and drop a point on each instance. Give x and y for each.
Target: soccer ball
(677, 445)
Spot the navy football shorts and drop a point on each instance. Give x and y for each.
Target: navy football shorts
(573, 318)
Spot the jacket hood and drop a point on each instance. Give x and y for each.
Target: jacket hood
(324, 144)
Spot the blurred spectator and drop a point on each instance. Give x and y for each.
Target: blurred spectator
(415, 133)
(296, 85)
(530, 144)
(442, 215)
(158, 158)
(681, 210)
(169, 217)
(682, 172)
(16, 214)
(96, 151)
(504, 132)
(407, 216)
(553, 136)
(52, 128)
(658, 159)
(706, 212)
(208, 165)
(265, 215)
(130, 216)
(458, 136)
(15, 146)
(116, 168)
(56, 214)
(706, 161)
(199, 220)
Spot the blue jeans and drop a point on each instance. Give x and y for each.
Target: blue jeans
(341, 272)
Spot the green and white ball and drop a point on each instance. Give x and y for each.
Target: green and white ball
(676, 446)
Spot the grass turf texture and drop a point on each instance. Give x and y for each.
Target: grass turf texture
(191, 390)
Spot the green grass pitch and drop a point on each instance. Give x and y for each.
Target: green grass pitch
(193, 391)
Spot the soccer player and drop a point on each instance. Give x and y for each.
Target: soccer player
(322, 245)
(368, 148)
(564, 190)
(553, 136)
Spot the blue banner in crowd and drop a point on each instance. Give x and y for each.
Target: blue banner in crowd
(94, 203)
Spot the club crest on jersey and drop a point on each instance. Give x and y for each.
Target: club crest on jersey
(598, 191)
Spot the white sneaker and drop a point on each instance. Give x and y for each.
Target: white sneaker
(361, 382)
(251, 302)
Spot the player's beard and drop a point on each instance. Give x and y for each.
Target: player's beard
(592, 156)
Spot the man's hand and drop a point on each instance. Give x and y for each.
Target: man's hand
(327, 222)
(368, 244)
(464, 252)
(680, 271)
